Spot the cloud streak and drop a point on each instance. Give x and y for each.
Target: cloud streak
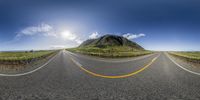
(131, 36)
(43, 29)
(94, 35)
(47, 30)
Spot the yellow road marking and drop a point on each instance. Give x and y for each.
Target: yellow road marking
(118, 76)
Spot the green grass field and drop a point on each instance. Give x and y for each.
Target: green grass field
(13, 61)
(191, 57)
(111, 51)
(17, 56)
(188, 55)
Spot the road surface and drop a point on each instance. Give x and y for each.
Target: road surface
(78, 77)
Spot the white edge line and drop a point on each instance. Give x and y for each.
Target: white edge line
(182, 66)
(26, 73)
(104, 60)
(77, 63)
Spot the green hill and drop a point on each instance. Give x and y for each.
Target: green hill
(110, 46)
(110, 40)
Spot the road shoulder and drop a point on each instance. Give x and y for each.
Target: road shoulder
(184, 65)
(30, 69)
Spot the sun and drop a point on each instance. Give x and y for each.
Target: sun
(68, 35)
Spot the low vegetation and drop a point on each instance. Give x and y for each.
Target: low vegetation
(110, 51)
(189, 56)
(23, 57)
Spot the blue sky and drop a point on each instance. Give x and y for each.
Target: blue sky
(49, 24)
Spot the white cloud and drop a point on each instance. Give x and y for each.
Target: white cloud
(47, 30)
(94, 35)
(78, 41)
(43, 29)
(131, 36)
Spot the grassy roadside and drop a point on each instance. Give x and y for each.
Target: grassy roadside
(111, 51)
(23, 57)
(193, 57)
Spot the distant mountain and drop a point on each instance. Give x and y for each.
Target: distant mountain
(111, 40)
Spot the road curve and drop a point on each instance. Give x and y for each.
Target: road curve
(62, 79)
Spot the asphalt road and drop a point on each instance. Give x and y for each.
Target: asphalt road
(77, 77)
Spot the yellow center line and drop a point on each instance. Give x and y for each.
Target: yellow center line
(117, 76)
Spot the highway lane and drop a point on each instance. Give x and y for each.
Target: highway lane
(62, 79)
(110, 67)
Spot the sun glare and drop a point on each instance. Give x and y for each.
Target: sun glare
(68, 35)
